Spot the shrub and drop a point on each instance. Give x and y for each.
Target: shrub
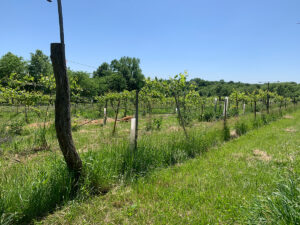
(208, 116)
(264, 119)
(241, 127)
(157, 122)
(16, 127)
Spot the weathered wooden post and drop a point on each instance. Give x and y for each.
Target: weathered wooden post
(62, 103)
(244, 108)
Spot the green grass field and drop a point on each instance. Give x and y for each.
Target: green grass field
(222, 186)
(135, 188)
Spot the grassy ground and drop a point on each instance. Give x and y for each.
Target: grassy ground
(218, 187)
(34, 179)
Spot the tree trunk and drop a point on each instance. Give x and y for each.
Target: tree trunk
(285, 105)
(202, 110)
(180, 116)
(105, 113)
(136, 118)
(125, 110)
(26, 114)
(116, 117)
(150, 115)
(62, 110)
(237, 105)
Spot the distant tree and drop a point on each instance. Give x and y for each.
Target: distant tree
(101, 85)
(116, 82)
(10, 63)
(130, 69)
(103, 70)
(88, 85)
(39, 65)
(222, 90)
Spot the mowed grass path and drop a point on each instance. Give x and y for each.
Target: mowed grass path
(215, 188)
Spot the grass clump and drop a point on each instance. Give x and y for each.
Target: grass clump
(226, 132)
(281, 207)
(28, 192)
(16, 127)
(241, 127)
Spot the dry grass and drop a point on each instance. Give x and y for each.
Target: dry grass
(290, 130)
(261, 155)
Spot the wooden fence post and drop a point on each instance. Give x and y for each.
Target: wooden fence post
(62, 110)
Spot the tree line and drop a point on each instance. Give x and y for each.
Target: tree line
(120, 75)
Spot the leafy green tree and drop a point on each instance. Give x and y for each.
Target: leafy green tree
(116, 82)
(88, 85)
(10, 63)
(39, 65)
(130, 69)
(103, 70)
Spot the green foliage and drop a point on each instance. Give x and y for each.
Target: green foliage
(9, 64)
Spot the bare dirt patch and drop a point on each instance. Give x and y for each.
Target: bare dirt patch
(261, 155)
(87, 131)
(95, 122)
(288, 117)
(37, 125)
(173, 128)
(290, 130)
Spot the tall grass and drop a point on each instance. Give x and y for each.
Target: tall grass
(31, 190)
(281, 207)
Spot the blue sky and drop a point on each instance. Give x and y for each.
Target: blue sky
(239, 40)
